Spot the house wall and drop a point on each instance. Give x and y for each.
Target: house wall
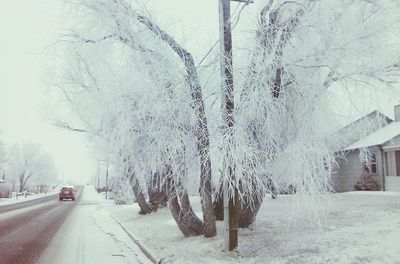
(392, 181)
(351, 168)
(348, 173)
(397, 113)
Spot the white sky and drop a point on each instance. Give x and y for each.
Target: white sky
(27, 27)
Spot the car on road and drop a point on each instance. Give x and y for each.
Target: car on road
(67, 192)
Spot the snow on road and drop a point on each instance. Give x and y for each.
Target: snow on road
(89, 235)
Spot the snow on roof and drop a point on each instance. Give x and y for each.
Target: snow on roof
(378, 137)
(362, 117)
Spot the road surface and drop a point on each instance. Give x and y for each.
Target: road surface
(27, 228)
(46, 231)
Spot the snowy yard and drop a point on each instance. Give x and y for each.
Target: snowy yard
(22, 198)
(358, 227)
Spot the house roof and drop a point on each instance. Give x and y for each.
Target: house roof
(357, 129)
(361, 118)
(378, 137)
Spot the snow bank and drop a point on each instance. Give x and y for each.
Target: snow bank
(21, 198)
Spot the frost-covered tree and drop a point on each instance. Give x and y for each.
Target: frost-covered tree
(302, 51)
(30, 163)
(137, 93)
(3, 154)
(144, 96)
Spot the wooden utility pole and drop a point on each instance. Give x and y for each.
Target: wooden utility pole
(227, 104)
(98, 175)
(231, 203)
(107, 180)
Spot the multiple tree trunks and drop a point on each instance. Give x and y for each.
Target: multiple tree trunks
(164, 190)
(179, 203)
(218, 204)
(247, 211)
(157, 191)
(182, 212)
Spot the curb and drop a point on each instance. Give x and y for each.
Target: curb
(141, 247)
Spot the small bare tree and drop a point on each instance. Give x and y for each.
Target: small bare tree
(28, 161)
(3, 154)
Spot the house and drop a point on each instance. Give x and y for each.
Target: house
(383, 163)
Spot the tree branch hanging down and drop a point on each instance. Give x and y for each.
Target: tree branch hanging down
(201, 132)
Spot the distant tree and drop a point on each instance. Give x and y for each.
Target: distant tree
(29, 162)
(3, 154)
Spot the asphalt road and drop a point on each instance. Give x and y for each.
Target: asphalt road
(27, 228)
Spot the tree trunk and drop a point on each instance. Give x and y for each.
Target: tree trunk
(201, 132)
(145, 208)
(218, 204)
(21, 183)
(157, 191)
(248, 212)
(187, 221)
(196, 224)
(249, 206)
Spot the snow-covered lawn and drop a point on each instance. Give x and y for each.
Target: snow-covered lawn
(22, 198)
(357, 227)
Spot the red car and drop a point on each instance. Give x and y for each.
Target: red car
(67, 192)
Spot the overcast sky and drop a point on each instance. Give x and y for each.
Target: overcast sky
(27, 28)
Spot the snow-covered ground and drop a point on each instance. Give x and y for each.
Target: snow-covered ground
(357, 227)
(89, 235)
(22, 198)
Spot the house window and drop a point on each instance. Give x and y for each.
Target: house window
(373, 163)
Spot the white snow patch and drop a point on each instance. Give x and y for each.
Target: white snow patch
(90, 235)
(21, 198)
(359, 227)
